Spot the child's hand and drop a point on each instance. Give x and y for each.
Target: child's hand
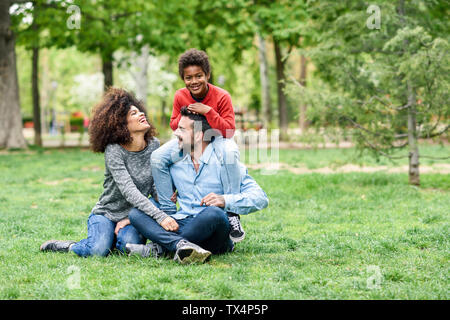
(199, 108)
(173, 198)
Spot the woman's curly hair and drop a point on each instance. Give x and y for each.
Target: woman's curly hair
(193, 57)
(109, 120)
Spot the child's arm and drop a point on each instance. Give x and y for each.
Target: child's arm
(176, 115)
(222, 119)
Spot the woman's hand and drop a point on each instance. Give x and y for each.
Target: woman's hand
(169, 224)
(199, 108)
(121, 224)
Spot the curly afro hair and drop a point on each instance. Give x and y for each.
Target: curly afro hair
(109, 120)
(193, 57)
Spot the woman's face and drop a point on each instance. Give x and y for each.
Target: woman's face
(136, 121)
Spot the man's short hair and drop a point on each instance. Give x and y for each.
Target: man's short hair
(193, 57)
(197, 118)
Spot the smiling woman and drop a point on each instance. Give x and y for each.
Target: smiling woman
(111, 119)
(120, 129)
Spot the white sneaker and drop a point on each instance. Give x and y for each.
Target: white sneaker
(188, 252)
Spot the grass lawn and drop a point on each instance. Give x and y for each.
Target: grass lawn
(323, 236)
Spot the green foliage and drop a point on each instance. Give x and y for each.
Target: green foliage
(374, 77)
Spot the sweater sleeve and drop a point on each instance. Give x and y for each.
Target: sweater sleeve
(116, 165)
(223, 118)
(176, 115)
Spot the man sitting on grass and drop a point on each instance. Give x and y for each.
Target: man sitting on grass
(201, 226)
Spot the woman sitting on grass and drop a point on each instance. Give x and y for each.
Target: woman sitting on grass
(120, 129)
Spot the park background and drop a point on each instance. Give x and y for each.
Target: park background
(342, 115)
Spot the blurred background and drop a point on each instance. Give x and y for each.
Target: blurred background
(374, 74)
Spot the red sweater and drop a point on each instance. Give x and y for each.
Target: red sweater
(221, 115)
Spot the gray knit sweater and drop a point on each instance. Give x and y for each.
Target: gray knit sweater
(128, 183)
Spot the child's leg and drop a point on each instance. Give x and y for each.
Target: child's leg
(162, 158)
(100, 237)
(229, 150)
(237, 233)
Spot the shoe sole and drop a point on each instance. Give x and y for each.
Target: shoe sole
(193, 256)
(239, 239)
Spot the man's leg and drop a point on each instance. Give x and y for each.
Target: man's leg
(185, 251)
(162, 158)
(100, 237)
(209, 229)
(151, 230)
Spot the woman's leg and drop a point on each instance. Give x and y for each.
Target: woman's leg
(100, 237)
(128, 234)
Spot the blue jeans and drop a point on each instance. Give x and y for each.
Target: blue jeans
(101, 237)
(209, 229)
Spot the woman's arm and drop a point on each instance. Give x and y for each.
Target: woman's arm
(116, 165)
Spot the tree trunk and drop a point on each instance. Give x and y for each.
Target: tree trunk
(163, 112)
(36, 98)
(107, 69)
(414, 177)
(302, 112)
(264, 78)
(281, 83)
(11, 135)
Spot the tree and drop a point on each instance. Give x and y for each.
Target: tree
(390, 81)
(11, 135)
(285, 22)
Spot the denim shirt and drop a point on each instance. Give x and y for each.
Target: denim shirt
(194, 185)
(241, 192)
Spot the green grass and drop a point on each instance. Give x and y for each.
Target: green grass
(334, 158)
(319, 238)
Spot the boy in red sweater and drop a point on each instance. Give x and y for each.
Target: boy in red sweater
(215, 104)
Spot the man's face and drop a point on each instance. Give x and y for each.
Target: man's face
(196, 81)
(185, 134)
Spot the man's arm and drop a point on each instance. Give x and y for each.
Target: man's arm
(251, 198)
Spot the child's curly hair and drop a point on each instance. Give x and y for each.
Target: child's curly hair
(193, 57)
(109, 120)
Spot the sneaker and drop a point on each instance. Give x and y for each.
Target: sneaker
(144, 250)
(56, 245)
(237, 233)
(188, 252)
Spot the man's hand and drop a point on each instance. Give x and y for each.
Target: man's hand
(121, 224)
(213, 199)
(169, 224)
(199, 108)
